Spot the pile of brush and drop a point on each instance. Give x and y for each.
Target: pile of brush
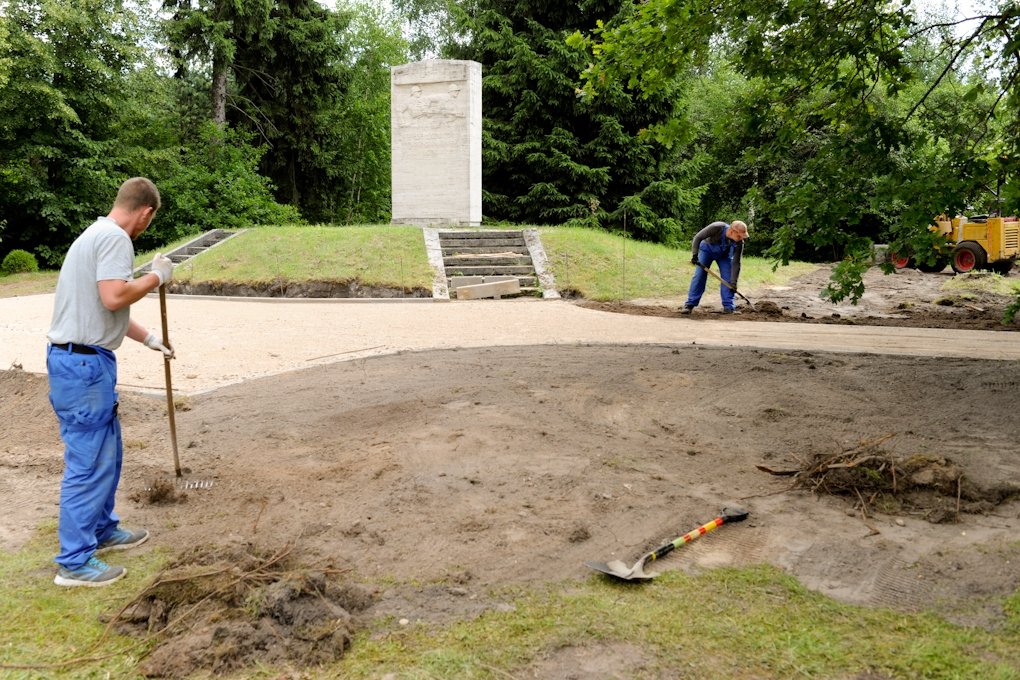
(931, 486)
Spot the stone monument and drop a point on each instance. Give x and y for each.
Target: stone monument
(436, 120)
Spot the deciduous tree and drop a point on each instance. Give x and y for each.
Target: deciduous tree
(836, 109)
(63, 75)
(550, 156)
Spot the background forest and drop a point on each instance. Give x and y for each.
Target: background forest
(827, 126)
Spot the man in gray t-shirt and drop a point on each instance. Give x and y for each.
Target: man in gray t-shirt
(91, 317)
(103, 252)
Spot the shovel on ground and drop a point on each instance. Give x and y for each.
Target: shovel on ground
(727, 284)
(620, 570)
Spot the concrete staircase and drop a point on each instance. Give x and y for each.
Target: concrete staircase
(488, 254)
(192, 248)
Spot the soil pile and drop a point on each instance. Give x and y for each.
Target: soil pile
(925, 485)
(221, 611)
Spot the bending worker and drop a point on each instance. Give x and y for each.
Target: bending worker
(91, 316)
(722, 243)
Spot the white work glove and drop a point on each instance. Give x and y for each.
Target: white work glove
(152, 342)
(163, 268)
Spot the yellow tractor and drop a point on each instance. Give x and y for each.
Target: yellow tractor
(979, 242)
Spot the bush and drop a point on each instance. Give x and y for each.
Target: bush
(213, 184)
(18, 261)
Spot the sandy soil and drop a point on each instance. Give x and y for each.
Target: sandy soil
(907, 299)
(464, 469)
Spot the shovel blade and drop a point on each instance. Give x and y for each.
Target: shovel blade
(619, 570)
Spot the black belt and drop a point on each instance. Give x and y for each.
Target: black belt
(77, 349)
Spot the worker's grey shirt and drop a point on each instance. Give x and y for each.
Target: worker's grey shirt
(713, 235)
(102, 252)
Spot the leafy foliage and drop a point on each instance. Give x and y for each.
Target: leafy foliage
(552, 157)
(308, 82)
(212, 183)
(82, 108)
(289, 78)
(60, 120)
(359, 163)
(856, 121)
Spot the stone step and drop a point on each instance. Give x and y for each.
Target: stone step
(191, 248)
(499, 243)
(476, 288)
(443, 235)
(476, 250)
(525, 291)
(489, 270)
(525, 281)
(481, 261)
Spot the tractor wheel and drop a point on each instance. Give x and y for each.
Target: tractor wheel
(967, 257)
(901, 261)
(939, 265)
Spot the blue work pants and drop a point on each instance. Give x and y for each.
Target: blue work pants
(707, 254)
(83, 395)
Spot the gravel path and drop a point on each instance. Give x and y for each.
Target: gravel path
(222, 341)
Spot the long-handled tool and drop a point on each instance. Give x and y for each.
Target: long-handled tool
(169, 388)
(637, 573)
(727, 284)
(170, 408)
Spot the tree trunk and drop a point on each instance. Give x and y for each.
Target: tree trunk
(295, 194)
(219, 90)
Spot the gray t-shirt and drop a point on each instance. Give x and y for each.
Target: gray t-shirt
(102, 252)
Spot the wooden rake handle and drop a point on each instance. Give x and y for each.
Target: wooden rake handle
(169, 387)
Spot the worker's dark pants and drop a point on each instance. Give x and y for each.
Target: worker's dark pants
(707, 254)
(83, 395)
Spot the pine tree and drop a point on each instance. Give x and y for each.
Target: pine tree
(549, 155)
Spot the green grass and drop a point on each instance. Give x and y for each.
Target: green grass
(391, 256)
(32, 283)
(979, 282)
(729, 623)
(604, 266)
(597, 265)
(46, 626)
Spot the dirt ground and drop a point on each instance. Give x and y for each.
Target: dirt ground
(432, 478)
(908, 298)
